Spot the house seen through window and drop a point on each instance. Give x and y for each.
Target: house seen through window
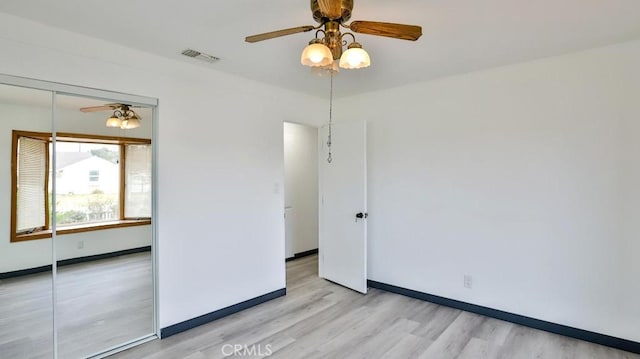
(89, 191)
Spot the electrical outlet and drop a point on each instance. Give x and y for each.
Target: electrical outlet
(468, 281)
(80, 244)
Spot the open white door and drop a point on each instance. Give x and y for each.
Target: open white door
(343, 205)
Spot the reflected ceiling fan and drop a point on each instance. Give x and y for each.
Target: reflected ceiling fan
(331, 16)
(123, 116)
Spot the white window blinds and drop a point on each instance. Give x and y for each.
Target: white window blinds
(138, 181)
(31, 191)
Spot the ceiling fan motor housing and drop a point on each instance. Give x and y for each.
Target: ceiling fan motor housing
(347, 7)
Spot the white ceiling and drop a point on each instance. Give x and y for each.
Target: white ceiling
(459, 35)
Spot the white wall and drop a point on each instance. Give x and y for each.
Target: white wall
(525, 177)
(220, 164)
(36, 253)
(301, 185)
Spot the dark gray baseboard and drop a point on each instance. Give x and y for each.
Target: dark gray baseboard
(206, 318)
(66, 262)
(302, 254)
(23, 272)
(613, 342)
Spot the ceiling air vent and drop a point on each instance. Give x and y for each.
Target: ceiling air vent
(199, 55)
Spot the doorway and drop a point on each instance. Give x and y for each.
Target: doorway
(301, 190)
(326, 201)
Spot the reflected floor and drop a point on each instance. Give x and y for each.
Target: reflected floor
(101, 303)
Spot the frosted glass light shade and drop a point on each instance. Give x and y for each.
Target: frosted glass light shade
(130, 122)
(326, 70)
(316, 54)
(113, 121)
(355, 57)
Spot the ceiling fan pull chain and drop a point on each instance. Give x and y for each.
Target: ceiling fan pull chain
(329, 159)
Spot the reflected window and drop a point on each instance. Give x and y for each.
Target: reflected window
(137, 202)
(30, 208)
(106, 181)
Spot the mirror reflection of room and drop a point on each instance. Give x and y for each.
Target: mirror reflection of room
(88, 185)
(26, 296)
(103, 216)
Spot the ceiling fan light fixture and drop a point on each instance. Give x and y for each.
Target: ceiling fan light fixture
(316, 54)
(130, 122)
(355, 57)
(113, 121)
(332, 16)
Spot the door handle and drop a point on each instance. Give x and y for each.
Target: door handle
(361, 215)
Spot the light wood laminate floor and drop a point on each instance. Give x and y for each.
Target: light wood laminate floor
(319, 319)
(101, 303)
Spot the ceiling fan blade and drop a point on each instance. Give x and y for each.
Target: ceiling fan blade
(396, 31)
(332, 9)
(274, 34)
(98, 108)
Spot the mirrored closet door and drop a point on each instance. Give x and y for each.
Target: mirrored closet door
(26, 286)
(77, 271)
(102, 197)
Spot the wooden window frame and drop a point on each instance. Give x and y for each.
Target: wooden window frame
(70, 137)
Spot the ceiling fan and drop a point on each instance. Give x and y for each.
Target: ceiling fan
(331, 16)
(123, 116)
